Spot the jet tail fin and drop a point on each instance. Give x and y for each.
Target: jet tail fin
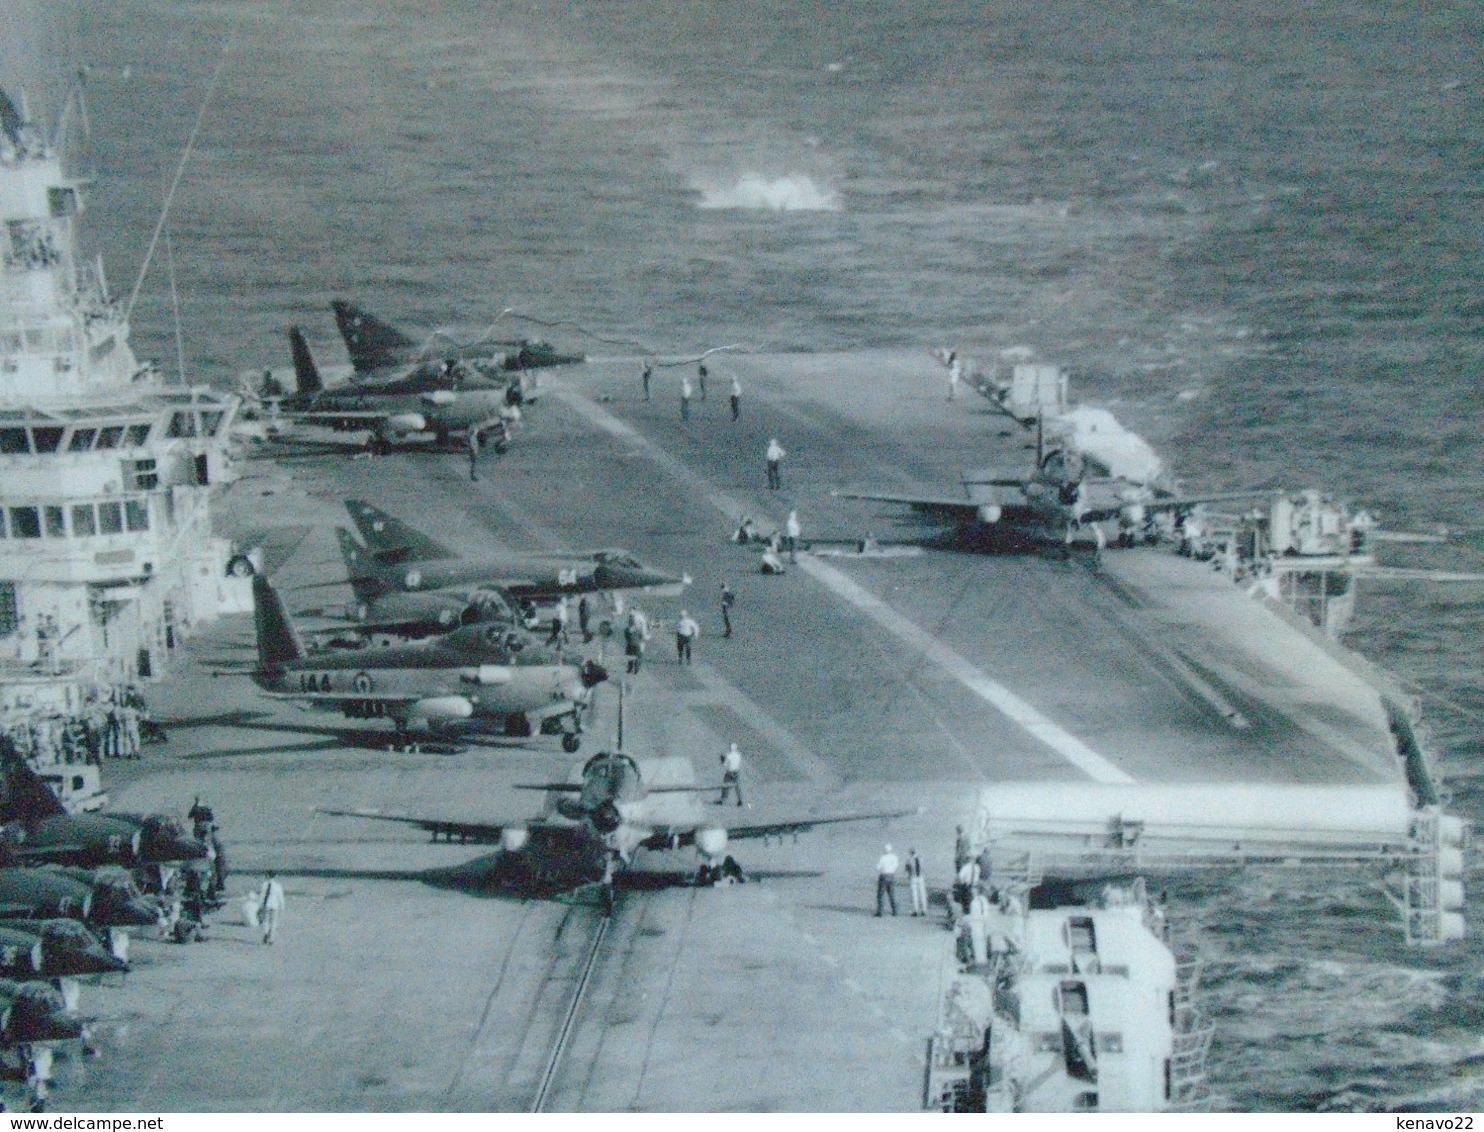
(306, 373)
(390, 539)
(361, 573)
(278, 642)
(26, 795)
(370, 342)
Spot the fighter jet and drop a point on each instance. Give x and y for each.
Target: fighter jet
(34, 1012)
(485, 673)
(376, 346)
(38, 828)
(402, 559)
(595, 824)
(440, 400)
(103, 898)
(1056, 501)
(54, 949)
(411, 615)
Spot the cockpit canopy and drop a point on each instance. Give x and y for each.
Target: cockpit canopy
(620, 558)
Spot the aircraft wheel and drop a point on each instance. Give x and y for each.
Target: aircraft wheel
(240, 566)
(570, 742)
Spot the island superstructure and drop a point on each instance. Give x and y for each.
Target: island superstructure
(107, 558)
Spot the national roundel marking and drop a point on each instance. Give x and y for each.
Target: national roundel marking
(362, 683)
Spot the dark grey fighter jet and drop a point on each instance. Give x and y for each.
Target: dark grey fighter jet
(400, 558)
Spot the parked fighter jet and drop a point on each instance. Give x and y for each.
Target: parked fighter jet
(38, 828)
(439, 400)
(101, 898)
(401, 558)
(413, 615)
(1057, 500)
(595, 824)
(34, 1012)
(486, 673)
(376, 346)
(63, 948)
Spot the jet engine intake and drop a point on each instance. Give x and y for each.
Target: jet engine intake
(606, 818)
(711, 841)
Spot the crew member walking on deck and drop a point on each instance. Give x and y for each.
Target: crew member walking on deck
(585, 618)
(793, 530)
(476, 440)
(271, 909)
(686, 632)
(955, 374)
(559, 623)
(635, 633)
(728, 599)
(648, 373)
(774, 457)
(918, 884)
(701, 374)
(736, 399)
(685, 398)
(731, 775)
(886, 881)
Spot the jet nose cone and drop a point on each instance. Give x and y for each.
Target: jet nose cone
(139, 913)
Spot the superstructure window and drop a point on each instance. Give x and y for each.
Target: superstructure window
(110, 518)
(82, 439)
(182, 424)
(136, 514)
(2, 522)
(47, 439)
(56, 522)
(210, 422)
(138, 435)
(25, 522)
(145, 475)
(9, 611)
(110, 437)
(14, 441)
(84, 521)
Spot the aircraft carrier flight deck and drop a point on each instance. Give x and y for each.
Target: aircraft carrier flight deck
(852, 684)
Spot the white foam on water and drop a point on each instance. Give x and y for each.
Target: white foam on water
(794, 193)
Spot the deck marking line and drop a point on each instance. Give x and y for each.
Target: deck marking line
(1067, 745)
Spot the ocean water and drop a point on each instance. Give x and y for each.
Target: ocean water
(1254, 231)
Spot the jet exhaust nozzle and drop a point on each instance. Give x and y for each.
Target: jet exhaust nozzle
(514, 838)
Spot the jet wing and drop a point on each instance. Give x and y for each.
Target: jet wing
(367, 418)
(478, 833)
(54, 852)
(666, 838)
(342, 697)
(953, 507)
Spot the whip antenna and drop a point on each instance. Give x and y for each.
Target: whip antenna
(179, 172)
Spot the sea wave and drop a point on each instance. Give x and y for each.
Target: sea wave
(794, 193)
